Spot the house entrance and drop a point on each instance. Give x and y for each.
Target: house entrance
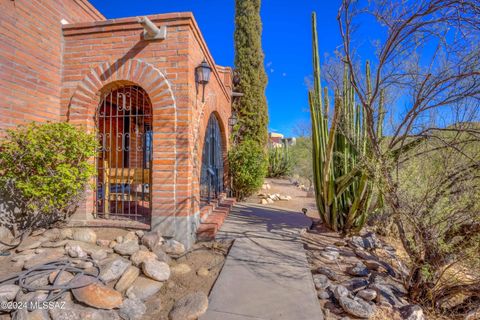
(211, 179)
(124, 124)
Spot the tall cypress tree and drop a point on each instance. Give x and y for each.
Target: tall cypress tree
(252, 107)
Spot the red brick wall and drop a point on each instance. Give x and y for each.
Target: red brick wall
(31, 44)
(111, 53)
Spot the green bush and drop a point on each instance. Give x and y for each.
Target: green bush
(44, 169)
(248, 167)
(280, 162)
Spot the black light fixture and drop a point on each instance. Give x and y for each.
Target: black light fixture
(202, 76)
(232, 121)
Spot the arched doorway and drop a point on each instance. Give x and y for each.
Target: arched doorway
(124, 126)
(211, 178)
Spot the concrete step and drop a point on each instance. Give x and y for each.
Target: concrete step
(212, 217)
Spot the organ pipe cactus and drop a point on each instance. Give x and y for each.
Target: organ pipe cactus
(280, 162)
(343, 185)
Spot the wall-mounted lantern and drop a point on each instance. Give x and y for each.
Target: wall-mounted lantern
(202, 76)
(232, 121)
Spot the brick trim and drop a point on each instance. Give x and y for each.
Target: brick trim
(82, 111)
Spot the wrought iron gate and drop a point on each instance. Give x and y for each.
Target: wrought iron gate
(124, 161)
(211, 179)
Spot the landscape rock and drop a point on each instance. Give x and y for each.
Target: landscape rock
(73, 311)
(54, 244)
(359, 270)
(63, 278)
(103, 242)
(323, 294)
(180, 269)
(119, 239)
(412, 312)
(340, 291)
(66, 233)
(112, 244)
(203, 272)
(75, 251)
(53, 234)
(85, 235)
(130, 236)
(140, 256)
(332, 275)
(143, 288)
(190, 307)
(270, 201)
(132, 309)
(114, 269)
(99, 255)
(321, 281)
(367, 294)
(50, 255)
(263, 201)
(8, 292)
(127, 248)
(140, 233)
(355, 284)
(356, 307)
(330, 255)
(161, 255)
(173, 247)
(157, 270)
(98, 296)
(28, 244)
(387, 294)
(127, 279)
(368, 241)
(152, 239)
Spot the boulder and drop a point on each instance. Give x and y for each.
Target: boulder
(263, 201)
(72, 311)
(190, 307)
(127, 248)
(356, 307)
(270, 201)
(140, 256)
(114, 269)
(367, 294)
(130, 236)
(28, 244)
(99, 255)
(143, 288)
(63, 278)
(48, 256)
(53, 234)
(355, 284)
(332, 275)
(85, 235)
(321, 281)
(412, 312)
(54, 244)
(161, 255)
(66, 233)
(98, 296)
(132, 309)
(8, 292)
(75, 251)
(340, 291)
(387, 294)
(156, 270)
(140, 233)
(152, 239)
(103, 242)
(127, 279)
(173, 247)
(359, 270)
(323, 294)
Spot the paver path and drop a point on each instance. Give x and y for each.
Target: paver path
(266, 274)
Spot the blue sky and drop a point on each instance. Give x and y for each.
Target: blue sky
(286, 42)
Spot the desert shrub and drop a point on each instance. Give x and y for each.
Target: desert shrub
(248, 167)
(301, 154)
(280, 162)
(44, 170)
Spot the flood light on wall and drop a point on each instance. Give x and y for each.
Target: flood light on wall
(202, 75)
(151, 31)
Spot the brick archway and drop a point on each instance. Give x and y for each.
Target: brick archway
(82, 110)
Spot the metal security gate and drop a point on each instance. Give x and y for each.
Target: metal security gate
(211, 179)
(124, 161)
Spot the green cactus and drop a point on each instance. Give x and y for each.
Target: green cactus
(343, 185)
(280, 162)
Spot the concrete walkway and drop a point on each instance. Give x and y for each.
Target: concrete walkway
(266, 274)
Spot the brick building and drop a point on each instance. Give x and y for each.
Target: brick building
(163, 143)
